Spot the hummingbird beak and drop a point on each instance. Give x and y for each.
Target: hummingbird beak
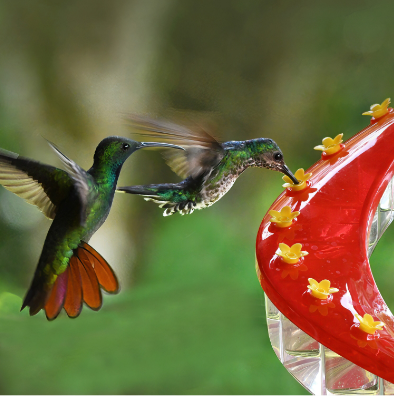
(285, 169)
(144, 145)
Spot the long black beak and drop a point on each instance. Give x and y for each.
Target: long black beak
(144, 145)
(287, 172)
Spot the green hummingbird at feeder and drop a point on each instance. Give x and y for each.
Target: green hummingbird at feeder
(70, 271)
(209, 168)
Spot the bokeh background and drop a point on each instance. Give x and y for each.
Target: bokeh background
(190, 317)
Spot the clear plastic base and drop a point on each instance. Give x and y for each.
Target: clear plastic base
(317, 368)
(320, 370)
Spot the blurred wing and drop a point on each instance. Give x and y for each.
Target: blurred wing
(39, 184)
(202, 152)
(81, 180)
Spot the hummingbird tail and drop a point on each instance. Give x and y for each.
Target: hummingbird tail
(173, 197)
(88, 272)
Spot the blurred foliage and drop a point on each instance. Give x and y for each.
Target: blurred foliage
(190, 318)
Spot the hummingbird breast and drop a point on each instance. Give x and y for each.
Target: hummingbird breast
(220, 181)
(66, 232)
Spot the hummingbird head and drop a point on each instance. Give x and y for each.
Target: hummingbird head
(112, 152)
(116, 149)
(266, 153)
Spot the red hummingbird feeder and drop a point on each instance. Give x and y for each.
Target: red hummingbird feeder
(327, 322)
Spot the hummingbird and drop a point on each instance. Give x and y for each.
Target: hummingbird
(70, 271)
(209, 168)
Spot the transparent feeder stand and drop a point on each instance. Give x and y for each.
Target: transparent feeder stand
(317, 368)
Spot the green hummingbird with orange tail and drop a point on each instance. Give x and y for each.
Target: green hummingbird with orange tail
(209, 167)
(70, 271)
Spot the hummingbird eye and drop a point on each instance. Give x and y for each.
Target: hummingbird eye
(278, 156)
(125, 146)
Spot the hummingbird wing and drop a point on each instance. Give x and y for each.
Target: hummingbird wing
(39, 184)
(202, 150)
(82, 181)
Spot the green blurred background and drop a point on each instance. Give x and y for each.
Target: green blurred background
(190, 317)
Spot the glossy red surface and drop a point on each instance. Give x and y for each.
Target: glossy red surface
(336, 212)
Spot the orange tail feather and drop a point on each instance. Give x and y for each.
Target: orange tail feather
(56, 299)
(90, 286)
(105, 275)
(73, 302)
(87, 272)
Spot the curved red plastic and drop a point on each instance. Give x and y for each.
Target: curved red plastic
(336, 213)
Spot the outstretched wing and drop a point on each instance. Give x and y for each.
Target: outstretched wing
(39, 184)
(202, 152)
(43, 185)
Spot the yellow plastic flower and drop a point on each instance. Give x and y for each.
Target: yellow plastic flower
(284, 218)
(291, 254)
(378, 110)
(321, 290)
(331, 146)
(368, 325)
(302, 178)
